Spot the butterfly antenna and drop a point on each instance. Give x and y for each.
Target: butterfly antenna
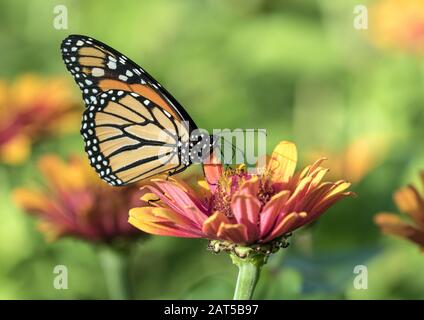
(233, 149)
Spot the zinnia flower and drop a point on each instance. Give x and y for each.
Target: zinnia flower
(30, 108)
(409, 201)
(238, 207)
(77, 203)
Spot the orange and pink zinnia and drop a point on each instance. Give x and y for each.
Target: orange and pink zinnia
(75, 203)
(240, 207)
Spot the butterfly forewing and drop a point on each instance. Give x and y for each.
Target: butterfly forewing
(129, 138)
(97, 68)
(132, 127)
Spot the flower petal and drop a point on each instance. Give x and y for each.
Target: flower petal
(318, 175)
(297, 196)
(271, 211)
(61, 175)
(283, 162)
(212, 224)
(339, 186)
(315, 166)
(235, 233)
(325, 204)
(392, 224)
(335, 194)
(250, 186)
(409, 201)
(179, 200)
(31, 201)
(203, 184)
(149, 197)
(171, 216)
(16, 150)
(162, 222)
(316, 195)
(286, 225)
(213, 170)
(246, 211)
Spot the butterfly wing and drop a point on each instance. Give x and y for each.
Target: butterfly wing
(129, 138)
(97, 68)
(132, 127)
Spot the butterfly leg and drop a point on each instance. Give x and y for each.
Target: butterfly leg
(152, 201)
(171, 173)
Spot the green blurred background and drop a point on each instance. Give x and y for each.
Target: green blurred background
(296, 68)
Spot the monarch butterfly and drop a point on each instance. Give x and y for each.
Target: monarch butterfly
(133, 128)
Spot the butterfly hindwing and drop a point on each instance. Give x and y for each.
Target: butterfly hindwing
(128, 137)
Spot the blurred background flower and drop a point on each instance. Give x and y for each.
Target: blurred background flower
(77, 203)
(409, 201)
(33, 107)
(398, 24)
(358, 159)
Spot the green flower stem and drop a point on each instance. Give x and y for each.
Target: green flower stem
(248, 276)
(246, 281)
(115, 268)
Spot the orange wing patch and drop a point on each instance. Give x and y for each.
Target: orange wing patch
(91, 51)
(140, 89)
(90, 62)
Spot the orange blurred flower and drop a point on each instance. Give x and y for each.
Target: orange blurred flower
(398, 24)
(238, 207)
(409, 201)
(357, 160)
(30, 108)
(77, 203)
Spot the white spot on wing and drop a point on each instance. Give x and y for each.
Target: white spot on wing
(98, 72)
(111, 65)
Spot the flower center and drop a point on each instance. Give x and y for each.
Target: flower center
(230, 182)
(265, 191)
